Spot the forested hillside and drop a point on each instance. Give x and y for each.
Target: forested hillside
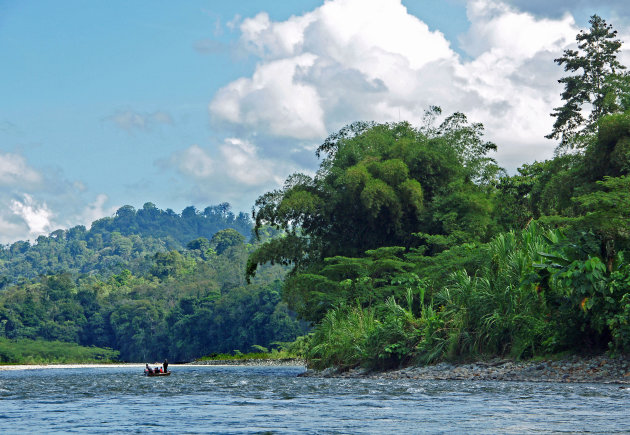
(411, 244)
(188, 304)
(125, 241)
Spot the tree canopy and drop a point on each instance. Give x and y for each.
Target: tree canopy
(383, 185)
(598, 83)
(123, 241)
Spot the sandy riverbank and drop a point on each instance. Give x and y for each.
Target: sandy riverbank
(599, 369)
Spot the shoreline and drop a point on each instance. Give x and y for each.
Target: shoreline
(574, 369)
(247, 363)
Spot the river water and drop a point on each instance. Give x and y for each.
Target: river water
(211, 399)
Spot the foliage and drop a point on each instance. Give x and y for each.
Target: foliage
(377, 184)
(589, 297)
(123, 241)
(340, 339)
(498, 311)
(24, 351)
(594, 85)
(225, 239)
(262, 353)
(187, 304)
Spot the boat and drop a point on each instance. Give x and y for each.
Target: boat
(148, 373)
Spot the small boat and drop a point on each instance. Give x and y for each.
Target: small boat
(148, 373)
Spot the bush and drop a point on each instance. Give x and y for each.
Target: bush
(340, 339)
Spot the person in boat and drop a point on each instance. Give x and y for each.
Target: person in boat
(148, 369)
(165, 364)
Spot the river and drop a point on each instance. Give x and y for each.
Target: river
(210, 399)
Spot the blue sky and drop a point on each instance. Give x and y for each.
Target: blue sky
(199, 102)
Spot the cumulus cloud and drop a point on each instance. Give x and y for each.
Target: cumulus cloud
(233, 171)
(354, 60)
(25, 216)
(14, 170)
(36, 215)
(509, 33)
(36, 201)
(274, 102)
(243, 164)
(130, 120)
(194, 162)
(96, 210)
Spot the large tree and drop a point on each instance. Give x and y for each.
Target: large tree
(382, 185)
(593, 67)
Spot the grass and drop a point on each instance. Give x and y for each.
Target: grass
(25, 351)
(238, 356)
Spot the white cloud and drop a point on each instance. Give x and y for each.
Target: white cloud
(36, 201)
(96, 210)
(241, 164)
(244, 165)
(510, 33)
(235, 171)
(193, 162)
(14, 170)
(267, 39)
(273, 101)
(354, 60)
(36, 215)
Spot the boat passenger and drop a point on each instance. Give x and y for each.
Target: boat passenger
(148, 369)
(165, 365)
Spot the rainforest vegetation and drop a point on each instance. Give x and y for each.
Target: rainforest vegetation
(118, 292)
(115, 243)
(410, 244)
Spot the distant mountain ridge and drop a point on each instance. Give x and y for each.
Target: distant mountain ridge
(123, 241)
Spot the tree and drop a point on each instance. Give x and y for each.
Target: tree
(379, 185)
(595, 60)
(225, 239)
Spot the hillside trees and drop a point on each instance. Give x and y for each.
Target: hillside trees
(187, 305)
(115, 243)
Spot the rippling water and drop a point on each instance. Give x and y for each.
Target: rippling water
(272, 399)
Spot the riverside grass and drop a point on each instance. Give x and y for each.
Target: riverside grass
(25, 351)
(263, 354)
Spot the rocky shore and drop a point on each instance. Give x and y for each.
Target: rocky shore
(251, 362)
(599, 369)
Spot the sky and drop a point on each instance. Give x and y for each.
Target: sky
(112, 103)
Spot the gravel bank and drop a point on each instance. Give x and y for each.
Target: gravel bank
(600, 369)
